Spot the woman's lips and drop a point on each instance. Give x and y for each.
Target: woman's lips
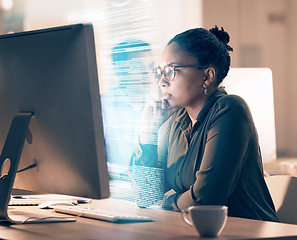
(167, 96)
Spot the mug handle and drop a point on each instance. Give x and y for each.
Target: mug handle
(187, 221)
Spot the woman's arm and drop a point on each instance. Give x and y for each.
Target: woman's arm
(150, 156)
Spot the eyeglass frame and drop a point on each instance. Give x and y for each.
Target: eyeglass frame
(174, 71)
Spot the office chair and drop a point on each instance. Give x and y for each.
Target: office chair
(284, 195)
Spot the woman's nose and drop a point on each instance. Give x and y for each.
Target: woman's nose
(163, 82)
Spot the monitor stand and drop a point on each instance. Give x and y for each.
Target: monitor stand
(9, 162)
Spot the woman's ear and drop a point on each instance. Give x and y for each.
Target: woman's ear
(210, 75)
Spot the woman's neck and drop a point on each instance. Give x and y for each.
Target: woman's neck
(195, 109)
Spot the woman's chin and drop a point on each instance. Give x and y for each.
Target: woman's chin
(174, 106)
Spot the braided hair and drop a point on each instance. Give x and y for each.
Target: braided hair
(210, 47)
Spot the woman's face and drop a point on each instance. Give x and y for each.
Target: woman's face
(186, 89)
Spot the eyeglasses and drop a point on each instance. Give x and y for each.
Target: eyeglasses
(169, 71)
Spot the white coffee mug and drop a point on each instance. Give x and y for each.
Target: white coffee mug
(209, 220)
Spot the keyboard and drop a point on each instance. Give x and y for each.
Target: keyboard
(25, 202)
(99, 214)
(32, 202)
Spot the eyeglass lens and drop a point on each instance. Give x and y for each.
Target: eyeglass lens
(167, 71)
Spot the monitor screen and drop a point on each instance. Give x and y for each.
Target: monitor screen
(53, 74)
(242, 81)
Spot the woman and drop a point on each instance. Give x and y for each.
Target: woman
(207, 145)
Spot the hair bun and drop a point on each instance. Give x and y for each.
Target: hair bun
(222, 35)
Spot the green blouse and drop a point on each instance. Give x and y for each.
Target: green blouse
(215, 162)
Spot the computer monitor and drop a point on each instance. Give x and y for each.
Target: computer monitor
(52, 73)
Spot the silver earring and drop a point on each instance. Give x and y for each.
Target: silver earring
(205, 90)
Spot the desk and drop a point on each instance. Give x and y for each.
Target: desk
(277, 167)
(167, 225)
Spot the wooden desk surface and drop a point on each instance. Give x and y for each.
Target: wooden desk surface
(275, 167)
(167, 225)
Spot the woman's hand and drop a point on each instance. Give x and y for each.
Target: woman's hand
(154, 115)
